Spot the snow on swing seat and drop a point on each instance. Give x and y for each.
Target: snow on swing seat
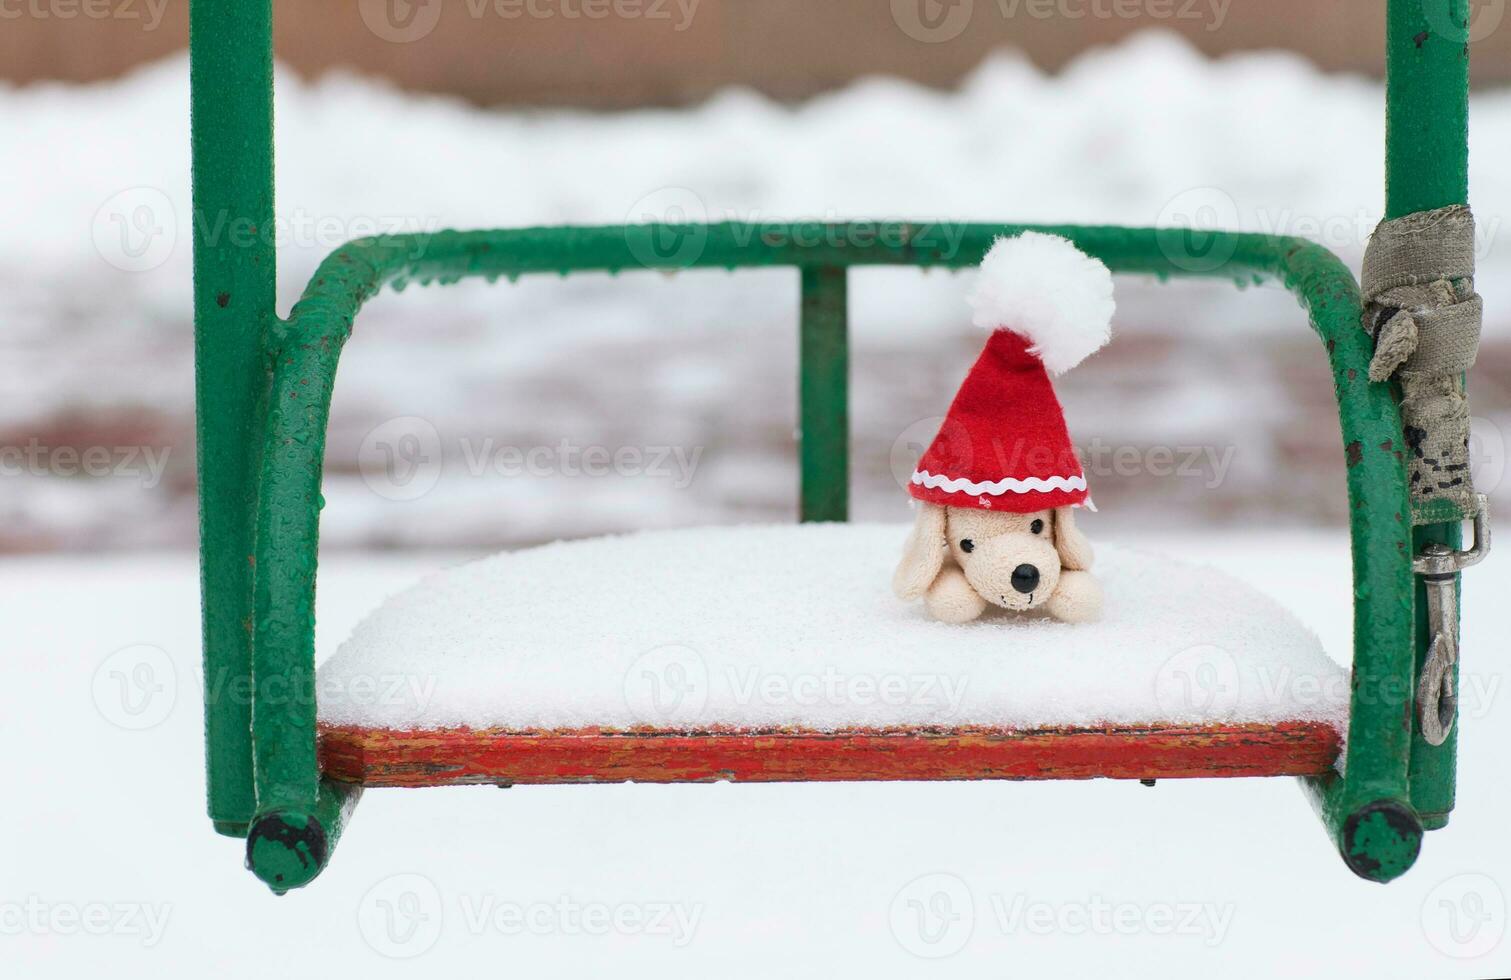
(779, 653)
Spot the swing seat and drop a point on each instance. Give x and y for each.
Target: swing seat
(779, 654)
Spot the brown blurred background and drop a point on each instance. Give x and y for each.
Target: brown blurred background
(96, 352)
(666, 52)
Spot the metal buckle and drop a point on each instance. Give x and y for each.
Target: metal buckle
(1439, 565)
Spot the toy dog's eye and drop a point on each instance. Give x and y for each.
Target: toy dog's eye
(1037, 526)
(967, 545)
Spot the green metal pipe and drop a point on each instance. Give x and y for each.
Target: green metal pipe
(355, 272)
(1426, 105)
(1433, 772)
(1378, 838)
(824, 395)
(1366, 812)
(287, 848)
(283, 666)
(231, 79)
(1427, 166)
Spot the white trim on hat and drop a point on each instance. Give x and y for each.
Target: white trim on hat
(1032, 484)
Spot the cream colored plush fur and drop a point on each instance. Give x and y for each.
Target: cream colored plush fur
(960, 560)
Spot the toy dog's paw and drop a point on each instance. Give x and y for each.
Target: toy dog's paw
(952, 600)
(1077, 598)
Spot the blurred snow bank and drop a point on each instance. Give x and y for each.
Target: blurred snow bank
(95, 273)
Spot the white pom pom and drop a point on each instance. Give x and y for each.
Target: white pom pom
(1046, 290)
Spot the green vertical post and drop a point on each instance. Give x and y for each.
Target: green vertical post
(1426, 167)
(824, 395)
(1426, 105)
(231, 110)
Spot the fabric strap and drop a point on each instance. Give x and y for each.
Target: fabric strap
(1422, 310)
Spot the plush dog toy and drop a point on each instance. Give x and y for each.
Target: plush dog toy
(997, 488)
(960, 560)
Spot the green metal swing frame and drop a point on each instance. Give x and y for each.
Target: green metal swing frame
(264, 383)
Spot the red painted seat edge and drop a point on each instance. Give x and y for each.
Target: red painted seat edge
(447, 757)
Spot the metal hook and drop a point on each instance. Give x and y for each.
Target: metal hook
(1439, 565)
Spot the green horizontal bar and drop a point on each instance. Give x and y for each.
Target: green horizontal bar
(353, 273)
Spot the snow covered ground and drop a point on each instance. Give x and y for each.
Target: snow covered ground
(113, 871)
(95, 302)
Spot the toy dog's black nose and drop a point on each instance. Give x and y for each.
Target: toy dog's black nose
(1025, 578)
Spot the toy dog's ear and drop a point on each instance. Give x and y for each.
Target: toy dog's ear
(923, 555)
(1074, 549)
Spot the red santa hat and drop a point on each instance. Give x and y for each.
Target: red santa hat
(1003, 444)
